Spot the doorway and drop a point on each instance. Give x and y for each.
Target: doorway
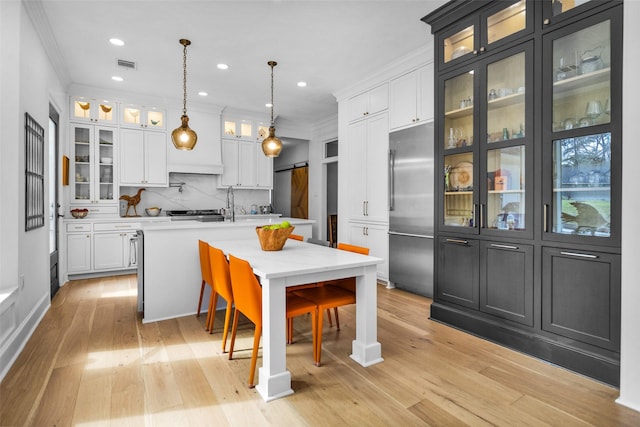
(54, 276)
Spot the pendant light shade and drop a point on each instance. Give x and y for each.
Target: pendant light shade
(183, 137)
(271, 146)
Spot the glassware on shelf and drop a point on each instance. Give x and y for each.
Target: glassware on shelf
(593, 110)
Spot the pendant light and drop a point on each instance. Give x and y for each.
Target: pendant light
(271, 146)
(183, 137)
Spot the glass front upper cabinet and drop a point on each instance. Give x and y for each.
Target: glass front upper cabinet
(506, 99)
(558, 10)
(92, 110)
(459, 206)
(458, 111)
(582, 186)
(506, 189)
(506, 21)
(582, 78)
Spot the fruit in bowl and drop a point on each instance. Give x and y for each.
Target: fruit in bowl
(273, 237)
(79, 213)
(153, 211)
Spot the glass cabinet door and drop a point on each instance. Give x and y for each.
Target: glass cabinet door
(582, 78)
(459, 44)
(82, 168)
(582, 186)
(459, 206)
(506, 189)
(506, 91)
(458, 114)
(105, 161)
(506, 21)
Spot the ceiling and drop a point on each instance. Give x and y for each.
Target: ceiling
(331, 45)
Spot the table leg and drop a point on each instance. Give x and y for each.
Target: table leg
(274, 380)
(366, 350)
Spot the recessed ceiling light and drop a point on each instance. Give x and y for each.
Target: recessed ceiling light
(117, 78)
(202, 93)
(268, 105)
(116, 42)
(302, 84)
(222, 66)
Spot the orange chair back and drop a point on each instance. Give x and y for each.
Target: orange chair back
(353, 248)
(247, 293)
(296, 237)
(205, 263)
(221, 275)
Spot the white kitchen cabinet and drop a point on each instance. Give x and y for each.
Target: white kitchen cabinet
(113, 251)
(264, 173)
(78, 251)
(367, 166)
(142, 116)
(244, 128)
(368, 103)
(92, 168)
(245, 166)
(411, 98)
(143, 158)
(376, 238)
(83, 109)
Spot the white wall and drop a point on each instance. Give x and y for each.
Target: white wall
(630, 345)
(28, 83)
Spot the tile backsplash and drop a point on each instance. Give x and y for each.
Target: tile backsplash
(198, 192)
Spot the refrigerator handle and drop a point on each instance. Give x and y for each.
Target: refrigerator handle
(392, 189)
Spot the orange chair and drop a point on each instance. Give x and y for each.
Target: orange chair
(207, 279)
(247, 296)
(332, 294)
(222, 280)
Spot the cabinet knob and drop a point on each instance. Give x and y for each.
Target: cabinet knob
(546, 21)
(482, 49)
(475, 52)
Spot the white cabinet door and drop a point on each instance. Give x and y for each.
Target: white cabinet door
(403, 98)
(377, 158)
(368, 103)
(156, 159)
(376, 238)
(356, 181)
(264, 169)
(230, 176)
(425, 92)
(79, 253)
(367, 157)
(129, 250)
(143, 158)
(108, 251)
(247, 163)
(131, 157)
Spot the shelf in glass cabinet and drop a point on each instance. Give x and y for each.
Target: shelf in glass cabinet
(579, 82)
(505, 191)
(503, 101)
(582, 189)
(457, 193)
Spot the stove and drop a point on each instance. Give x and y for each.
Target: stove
(202, 215)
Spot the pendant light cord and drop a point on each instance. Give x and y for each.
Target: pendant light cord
(184, 80)
(272, 65)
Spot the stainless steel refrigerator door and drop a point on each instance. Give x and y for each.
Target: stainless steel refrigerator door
(411, 263)
(411, 175)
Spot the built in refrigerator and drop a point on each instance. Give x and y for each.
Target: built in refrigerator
(411, 211)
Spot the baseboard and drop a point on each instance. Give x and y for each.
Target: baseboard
(595, 366)
(14, 344)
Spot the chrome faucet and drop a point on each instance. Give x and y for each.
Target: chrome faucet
(231, 204)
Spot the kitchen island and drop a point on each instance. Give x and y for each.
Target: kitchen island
(171, 264)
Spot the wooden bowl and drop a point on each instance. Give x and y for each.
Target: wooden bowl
(273, 239)
(79, 213)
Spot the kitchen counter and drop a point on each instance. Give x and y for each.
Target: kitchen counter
(171, 263)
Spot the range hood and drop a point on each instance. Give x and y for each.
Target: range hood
(210, 169)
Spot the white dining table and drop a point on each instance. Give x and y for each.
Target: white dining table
(299, 263)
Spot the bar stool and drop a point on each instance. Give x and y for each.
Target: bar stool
(207, 279)
(222, 280)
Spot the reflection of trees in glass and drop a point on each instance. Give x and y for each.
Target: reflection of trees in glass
(587, 151)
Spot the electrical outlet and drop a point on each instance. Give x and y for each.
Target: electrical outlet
(21, 280)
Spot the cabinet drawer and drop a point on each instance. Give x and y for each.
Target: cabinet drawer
(98, 210)
(79, 228)
(116, 226)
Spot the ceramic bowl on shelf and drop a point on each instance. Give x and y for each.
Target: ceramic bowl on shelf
(79, 213)
(106, 160)
(153, 211)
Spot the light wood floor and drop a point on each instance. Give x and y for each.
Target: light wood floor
(91, 362)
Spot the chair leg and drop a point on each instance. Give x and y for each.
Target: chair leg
(335, 311)
(318, 346)
(290, 330)
(200, 300)
(254, 354)
(227, 319)
(329, 317)
(234, 328)
(211, 314)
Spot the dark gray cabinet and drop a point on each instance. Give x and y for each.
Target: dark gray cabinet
(506, 281)
(528, 139)
(457, 274)
(581, 296)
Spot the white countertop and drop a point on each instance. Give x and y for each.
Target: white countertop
(248, 221)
